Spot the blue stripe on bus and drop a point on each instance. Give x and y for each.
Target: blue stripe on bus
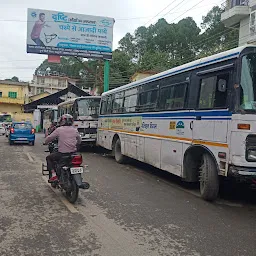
(216, 118)
(175, 114)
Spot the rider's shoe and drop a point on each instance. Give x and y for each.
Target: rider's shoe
(53, 179)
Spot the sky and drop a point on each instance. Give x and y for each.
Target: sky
(130, 14)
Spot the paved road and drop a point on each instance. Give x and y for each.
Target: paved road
(129, 210)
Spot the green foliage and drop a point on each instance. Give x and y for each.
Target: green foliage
(13, 79)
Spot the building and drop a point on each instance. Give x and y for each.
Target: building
(241, 14)
(51, 101)
(38, 96)
(49, 83)
(13, 96)
(140, 75)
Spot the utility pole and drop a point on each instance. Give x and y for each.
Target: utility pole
(106, 75)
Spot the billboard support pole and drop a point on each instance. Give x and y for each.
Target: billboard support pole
(106, 75)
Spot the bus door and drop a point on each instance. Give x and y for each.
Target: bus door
(211, 115)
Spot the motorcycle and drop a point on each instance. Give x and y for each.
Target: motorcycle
(68, 171)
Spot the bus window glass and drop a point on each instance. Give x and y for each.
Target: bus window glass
(5, 118)
(118, 103)
(207, 92)
(88, 107)
(130, 100)
(213, 92)
(248, 82)
(109, 105)
(148, 100)
(173, 97)
(103, 109)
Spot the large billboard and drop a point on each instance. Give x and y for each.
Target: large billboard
(69, 34)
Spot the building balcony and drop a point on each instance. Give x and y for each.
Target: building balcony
(7, 100)
(235, 11)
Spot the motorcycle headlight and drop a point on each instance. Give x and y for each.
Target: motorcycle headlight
(251, 154)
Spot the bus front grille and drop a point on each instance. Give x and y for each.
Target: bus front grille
(87, 130)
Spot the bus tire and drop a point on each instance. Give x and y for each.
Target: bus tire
(119, 157)
(209, 179)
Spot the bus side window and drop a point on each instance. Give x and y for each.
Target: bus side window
(148, 97)
(118, 102)
(213, 92)
(130, 100)
(173, 96)
(109, 104)
(103, 107)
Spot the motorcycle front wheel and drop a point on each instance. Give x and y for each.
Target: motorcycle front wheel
(72, 194)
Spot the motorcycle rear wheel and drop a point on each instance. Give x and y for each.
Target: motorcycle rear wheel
(73, 194)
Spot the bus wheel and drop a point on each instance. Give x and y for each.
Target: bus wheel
(209, 179)
(120, 158)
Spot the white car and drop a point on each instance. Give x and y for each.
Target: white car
(2, 129)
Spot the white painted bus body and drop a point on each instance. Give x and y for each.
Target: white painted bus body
(85, 124)
(162, 139)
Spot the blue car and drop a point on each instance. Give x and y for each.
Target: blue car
(22, 132)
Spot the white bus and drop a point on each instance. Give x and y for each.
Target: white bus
(197, 121)
(85, 111)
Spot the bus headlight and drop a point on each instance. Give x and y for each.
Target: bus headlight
(251, 155)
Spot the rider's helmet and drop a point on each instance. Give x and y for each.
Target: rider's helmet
(66, 120)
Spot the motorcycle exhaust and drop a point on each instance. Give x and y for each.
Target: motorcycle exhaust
(80, 183)
(85, 185)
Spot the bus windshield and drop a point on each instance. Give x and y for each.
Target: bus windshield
(5, 118)
(248, 83)
(88, 107)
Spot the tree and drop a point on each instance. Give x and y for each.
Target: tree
(126, 45)
(216, 36)
(13, 79)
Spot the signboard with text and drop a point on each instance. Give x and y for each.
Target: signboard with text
(68, 34)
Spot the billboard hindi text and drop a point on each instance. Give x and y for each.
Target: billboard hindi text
(68, 34)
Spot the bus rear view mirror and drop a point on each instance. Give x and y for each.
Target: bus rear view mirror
(222, 85)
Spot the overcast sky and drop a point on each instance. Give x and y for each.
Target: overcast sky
(129, 14)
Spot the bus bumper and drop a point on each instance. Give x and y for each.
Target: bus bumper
(88, 142)
(242, 174)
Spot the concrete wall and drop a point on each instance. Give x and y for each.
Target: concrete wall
(10, 108)
(23, 117)
(244, 31)
(22, 92)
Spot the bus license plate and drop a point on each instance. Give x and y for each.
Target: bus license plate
(76, 170)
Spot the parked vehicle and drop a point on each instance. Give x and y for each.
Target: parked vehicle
(196, 121)
(85, 111)
(22, 132)
(2, 129)
(69, 170)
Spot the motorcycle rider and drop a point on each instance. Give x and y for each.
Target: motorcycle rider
(68, 140)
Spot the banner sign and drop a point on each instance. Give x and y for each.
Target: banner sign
(68, 34)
